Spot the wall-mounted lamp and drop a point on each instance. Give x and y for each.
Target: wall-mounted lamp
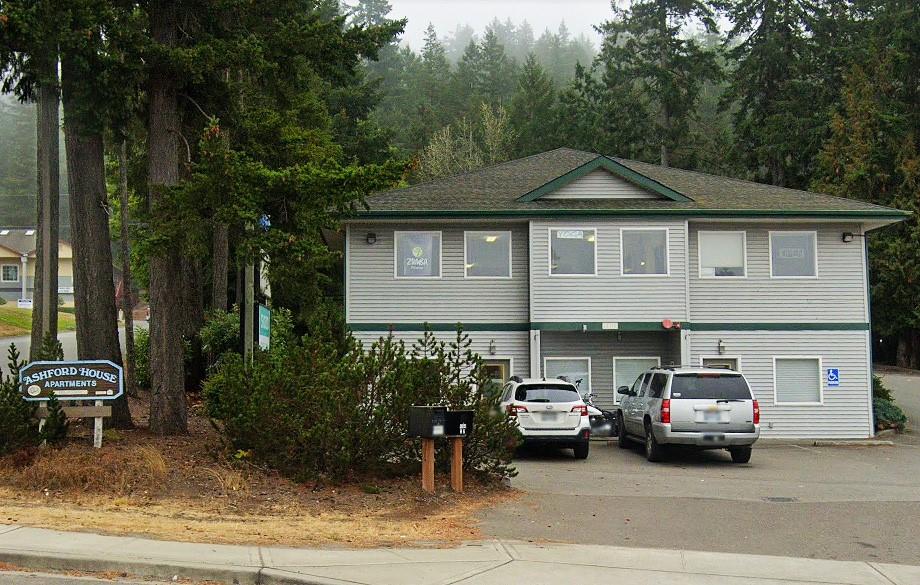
(492, 349)
(721, 347)
(847, 237)
(371, 238)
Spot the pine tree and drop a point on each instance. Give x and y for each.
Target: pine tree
(648, 42)
(532, 109)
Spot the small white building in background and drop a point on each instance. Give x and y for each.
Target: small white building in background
(573, 263)
(17, 265)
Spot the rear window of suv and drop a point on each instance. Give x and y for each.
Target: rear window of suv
(546, 393)
(709, 386)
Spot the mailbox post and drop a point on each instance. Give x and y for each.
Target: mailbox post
(432, 422)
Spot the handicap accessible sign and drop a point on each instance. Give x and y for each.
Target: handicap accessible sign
(833, 377)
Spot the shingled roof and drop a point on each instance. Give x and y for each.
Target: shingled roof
(502, 191)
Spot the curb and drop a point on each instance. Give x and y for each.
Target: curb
(281, 577)
(854, 443)
(239, 575)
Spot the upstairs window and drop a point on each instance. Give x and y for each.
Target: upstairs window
(418, 254)
(572, 252)
(644, 252)
(793, 254)
(9, 273)
(488, 254)
(722, 254)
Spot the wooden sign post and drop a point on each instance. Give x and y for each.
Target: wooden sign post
(428, 465)
(88, 380)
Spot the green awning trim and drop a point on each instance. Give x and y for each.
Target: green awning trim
(848, 214)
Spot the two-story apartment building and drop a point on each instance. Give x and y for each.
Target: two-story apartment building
(572, 263)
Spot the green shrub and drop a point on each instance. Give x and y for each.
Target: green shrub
(18, 425)
(54, 431)
(879, 390)
(887, 414)
(220, 333)
(51, 349)
(318, 407)
(142, 358)
(2, 301)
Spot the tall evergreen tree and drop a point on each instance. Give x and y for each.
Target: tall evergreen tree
(532, 109)
(648, 41)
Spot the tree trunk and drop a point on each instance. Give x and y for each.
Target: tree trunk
(219, 261)
(45, 287)
(908, 354)
(127, 283)
(168, 408)
(94, 279)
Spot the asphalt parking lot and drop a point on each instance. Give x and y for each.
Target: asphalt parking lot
(848, 503)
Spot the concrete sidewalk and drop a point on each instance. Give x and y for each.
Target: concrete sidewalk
(483, 563)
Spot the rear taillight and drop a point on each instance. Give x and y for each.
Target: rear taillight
(666, 411)
(514, 409)
(582, 409)
(756, 413)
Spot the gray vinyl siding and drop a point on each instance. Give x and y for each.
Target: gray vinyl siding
(375, 296)
(514, 345)
(600, 184)
(837, 295)
(608, 296)
(602, 347)
(845, 411)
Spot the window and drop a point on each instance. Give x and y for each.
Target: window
(655, 388)
(797, 380)
(418, 254)
(726, 362)
(572, 251)
(644, 252)
(488, 254)
(722, 254)
(710, 387)
(626, 370)
(793, 254)
(10, 273)
(575, 370)
(546, 393)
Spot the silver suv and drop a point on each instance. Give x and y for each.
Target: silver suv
(704, 408)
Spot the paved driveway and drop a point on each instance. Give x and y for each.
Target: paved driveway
(853, 503)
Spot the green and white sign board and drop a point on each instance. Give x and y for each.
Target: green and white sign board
(265, 326)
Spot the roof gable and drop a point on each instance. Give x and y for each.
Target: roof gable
(627, 184)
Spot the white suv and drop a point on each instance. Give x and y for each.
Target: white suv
(702, 408)
(549, 411)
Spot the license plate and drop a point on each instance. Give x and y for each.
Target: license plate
(713, 437)
(551, 416)
(712, 416)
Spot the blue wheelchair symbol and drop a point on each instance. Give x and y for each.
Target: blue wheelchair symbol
(833, 377)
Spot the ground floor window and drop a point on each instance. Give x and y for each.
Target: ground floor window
(9, 273)
(729, 363)
(797, 380)
(576, 370)
(498, 370)
(627, 369)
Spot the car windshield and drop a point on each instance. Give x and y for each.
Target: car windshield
(546, 393)
(712, 386)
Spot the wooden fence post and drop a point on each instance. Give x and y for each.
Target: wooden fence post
(428, 465)
(456, 464)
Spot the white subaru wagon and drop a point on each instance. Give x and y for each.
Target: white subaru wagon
(548, 411)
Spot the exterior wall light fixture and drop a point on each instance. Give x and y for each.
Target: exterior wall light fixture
(492, 348)
(847, 237)
(371, 238)
(721, 347)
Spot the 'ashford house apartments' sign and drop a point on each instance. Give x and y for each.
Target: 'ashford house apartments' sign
(80, 380)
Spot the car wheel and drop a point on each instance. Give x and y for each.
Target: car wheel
(740, 454)
(622, 441)
(653, 451)
(581, 450)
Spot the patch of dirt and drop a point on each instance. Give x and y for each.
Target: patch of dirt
(12, 331)
(184, 488)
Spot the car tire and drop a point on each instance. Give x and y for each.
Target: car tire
(740, 454)
(581, 450)
(653, 451)
(622, 440)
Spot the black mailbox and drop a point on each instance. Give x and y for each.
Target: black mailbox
(428, 422)
(459, 423)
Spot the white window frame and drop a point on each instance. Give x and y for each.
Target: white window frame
(792, 232)
(510, 263)
(396, 235)
(699, 254)
(549, 248)
(616, 396)
(557, 358)
(667, 251)
(735, 357)
(776, 402)
(18, 272)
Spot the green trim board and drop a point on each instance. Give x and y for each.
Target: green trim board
(615, 168)
(599, 326)
(849, 214)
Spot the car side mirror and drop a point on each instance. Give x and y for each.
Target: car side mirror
(624, 390)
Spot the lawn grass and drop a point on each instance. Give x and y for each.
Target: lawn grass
(15, 322)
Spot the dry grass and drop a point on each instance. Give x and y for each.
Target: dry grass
(184, 488)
